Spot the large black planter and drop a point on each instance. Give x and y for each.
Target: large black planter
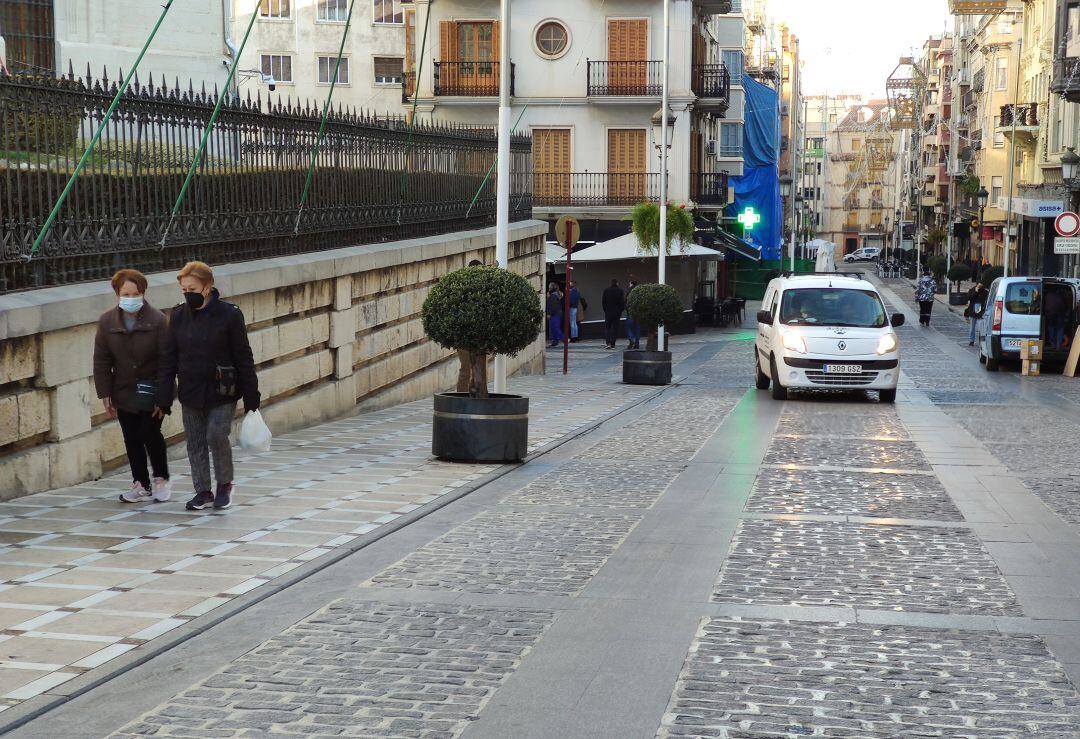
(492, 429)
(646, 368)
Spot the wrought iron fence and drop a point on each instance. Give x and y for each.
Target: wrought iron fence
(376, 179)
(625, 78)
(711, 81)
(469, 79)
(593, 189)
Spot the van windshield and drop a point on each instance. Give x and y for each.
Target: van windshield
(1024, 299)
(832, 307)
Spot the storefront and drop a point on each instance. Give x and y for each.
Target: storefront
(1035, 239)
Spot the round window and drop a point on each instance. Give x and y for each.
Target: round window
(551, 38)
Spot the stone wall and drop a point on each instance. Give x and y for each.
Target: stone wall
(331, 332)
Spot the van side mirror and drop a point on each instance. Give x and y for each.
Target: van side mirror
(897, 319)
(764, 316)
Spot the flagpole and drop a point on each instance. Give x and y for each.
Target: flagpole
(502, 209)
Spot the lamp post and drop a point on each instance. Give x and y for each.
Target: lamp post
(663, 122)
(899, 245)
(1070, 167)
(502, 181)
(982, 196)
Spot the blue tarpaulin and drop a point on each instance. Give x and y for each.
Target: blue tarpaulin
(759, 185)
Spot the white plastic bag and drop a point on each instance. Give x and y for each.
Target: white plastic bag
(254, 433)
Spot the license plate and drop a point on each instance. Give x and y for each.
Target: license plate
(1013, 344)
(843, 369)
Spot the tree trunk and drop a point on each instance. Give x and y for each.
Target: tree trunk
(479, 376)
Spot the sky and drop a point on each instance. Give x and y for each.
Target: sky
(852, 46)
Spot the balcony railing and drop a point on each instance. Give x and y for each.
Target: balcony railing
(593, 189)
(469, 79)
(978, 80)
(624, 78)
(1066, 80)
(709, 188)
(1022, 116)
(711, 81)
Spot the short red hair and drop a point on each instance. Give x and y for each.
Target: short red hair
(199, 270)
(129, 275)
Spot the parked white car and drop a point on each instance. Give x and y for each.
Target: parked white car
(1015, 311)
(866, 254)
(824, 331)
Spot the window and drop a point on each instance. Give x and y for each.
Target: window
(1023, 299)
(1001, 74)
(730, 140)
(552, 39)
(995, 191)
(278, 66)
(733, 60)
(388, 70)
(388, 11)
(326, 70)
(333, 10)
(999, 138)
(275, 8)
(1072, 32)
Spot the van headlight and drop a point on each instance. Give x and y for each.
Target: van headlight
(794, 342)
(886, 344)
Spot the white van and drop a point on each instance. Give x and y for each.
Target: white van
(826, 332)
(1015, 311)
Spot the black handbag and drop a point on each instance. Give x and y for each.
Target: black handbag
(145, 395)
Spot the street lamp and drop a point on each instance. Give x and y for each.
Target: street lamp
(1070, 162)
(982, 197)
(898, 246)
(659, 134)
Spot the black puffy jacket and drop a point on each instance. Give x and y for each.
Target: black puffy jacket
(199, 342)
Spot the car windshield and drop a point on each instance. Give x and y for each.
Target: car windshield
(832, 307)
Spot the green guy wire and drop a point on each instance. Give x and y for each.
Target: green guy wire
(412, 118)
(209, 126)
(492, 167)
(97, 135)
(322, 124)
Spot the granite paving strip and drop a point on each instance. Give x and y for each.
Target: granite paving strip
(77, 552)
(596, 483)
(361, 668)
(768, 678)
(862, 453)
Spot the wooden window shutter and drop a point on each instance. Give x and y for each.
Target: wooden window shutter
(495, 50)
(448, 36)
(410, 51)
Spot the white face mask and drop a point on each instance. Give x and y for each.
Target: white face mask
(131, 305)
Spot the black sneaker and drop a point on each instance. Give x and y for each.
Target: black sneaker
(200, 501)
(223, 498)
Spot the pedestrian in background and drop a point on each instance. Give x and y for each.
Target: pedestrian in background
(633, 330)
(925, 290)
(208, 351)
(1054, 311)
(555, 312)
(976, 306)
(613, 301)
(130, 340)
(577, 306)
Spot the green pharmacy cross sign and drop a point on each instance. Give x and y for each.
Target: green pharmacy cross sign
(749, 218)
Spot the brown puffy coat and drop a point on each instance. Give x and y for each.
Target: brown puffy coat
(121, 359)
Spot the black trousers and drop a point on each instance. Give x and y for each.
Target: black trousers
(142, 438)
(925, 307)
(611, 329)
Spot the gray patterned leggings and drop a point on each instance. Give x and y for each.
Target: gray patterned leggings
(207, 431)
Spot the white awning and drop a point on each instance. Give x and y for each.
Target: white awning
(626, 247)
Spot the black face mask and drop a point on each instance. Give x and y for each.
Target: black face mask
(194, 300)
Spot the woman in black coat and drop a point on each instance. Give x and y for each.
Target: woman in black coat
(208, 353)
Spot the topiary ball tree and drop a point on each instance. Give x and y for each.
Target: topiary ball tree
(652, 305)
(483, 311)
(959, 272)
(938, 264)
(990, 274)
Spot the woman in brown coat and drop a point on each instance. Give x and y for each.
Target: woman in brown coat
(129, 343)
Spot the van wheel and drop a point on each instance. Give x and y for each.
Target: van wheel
(982, 358)
(887, 396)
(761, 379)
(992, 364)
(779, 392)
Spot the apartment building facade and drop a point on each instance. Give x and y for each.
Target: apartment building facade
(822, 115)
(586, 84)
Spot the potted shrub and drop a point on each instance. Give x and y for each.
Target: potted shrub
(958, 273)
(937, 265)
(482, 311)
(651, 306)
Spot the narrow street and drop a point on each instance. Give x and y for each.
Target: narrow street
(704, 562)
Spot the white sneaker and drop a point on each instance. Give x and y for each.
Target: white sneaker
(137, 494)
(162, 489)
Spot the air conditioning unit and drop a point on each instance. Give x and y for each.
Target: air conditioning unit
(710, 148)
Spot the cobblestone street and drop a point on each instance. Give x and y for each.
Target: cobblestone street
(697, 561)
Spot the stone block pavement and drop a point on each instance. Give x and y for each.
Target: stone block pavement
(703, 562)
